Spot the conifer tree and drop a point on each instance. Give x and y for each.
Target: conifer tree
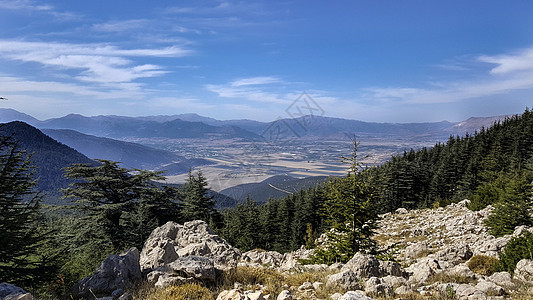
(349, 212)
(197, 204)
(20, 261)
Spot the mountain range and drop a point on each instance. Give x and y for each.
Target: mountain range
(195, 126)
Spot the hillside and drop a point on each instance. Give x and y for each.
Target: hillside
(274, 187)
(130, 155)
(48, 155)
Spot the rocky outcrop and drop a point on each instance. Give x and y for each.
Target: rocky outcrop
(171, 241)
(346, 279)
(175, 253)
(524, 270)
(12, 292)
(115, 272)
(260, 258)
(363, 265)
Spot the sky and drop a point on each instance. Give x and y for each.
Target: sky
(381, 61)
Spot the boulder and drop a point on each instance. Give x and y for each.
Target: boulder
(376, 287)
(394, 281)
(502, 279)
(285, 295)
(115, 272)
(197, 267)
(423, 269)
(402, 211)
(355, 295)
(363, 266)
(489, 287)
(454, 254)
(306, 286)
(415, 250)
(390, 268)
(260, 258)
(170, 241)
(12, 292)
(345, 279)
(403, 290)
(232, 295)
(524, 270)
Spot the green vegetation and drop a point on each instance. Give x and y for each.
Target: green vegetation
(517, 249)
(22, 235)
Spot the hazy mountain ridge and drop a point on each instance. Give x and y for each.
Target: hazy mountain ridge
(196, 126)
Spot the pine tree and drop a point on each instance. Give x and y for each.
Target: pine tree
(106, 193)
(197, 204)
(20, 237)
(349, 212)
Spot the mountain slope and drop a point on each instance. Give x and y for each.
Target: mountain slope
(48, 155)
(131, 155)
(274, 187)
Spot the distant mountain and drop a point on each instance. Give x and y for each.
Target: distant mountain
(272, 188)
(131, 155)
(196, 126)
(476, 123)
(9, 115)
(48, 155)
(122, 127)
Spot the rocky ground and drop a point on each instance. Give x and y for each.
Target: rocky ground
(431, 250)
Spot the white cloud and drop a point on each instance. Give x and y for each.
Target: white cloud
(255, 81)
(24, 5)
(120, 26)
(521, 61)
(96, 62)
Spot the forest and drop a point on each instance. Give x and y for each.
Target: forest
(48, 248)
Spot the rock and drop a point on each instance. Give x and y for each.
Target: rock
(261, 258)
(335, 267)
(317, 285)
(345, 279)
(453, 254)
(284, 295)
(402, 290)
(390, 268)
(170, 241)
(415, 250)
(232, 295)
(336, 296)
(115, 272)
(489, 287)
(12, 292)
(165, 276)
(254, 295)
(423, 269)
(394, 281)
(463, 271)
(306, 286)
(355, 295)
(374, 286)
(524, 270)
(402, 210)
(502, 279)
(105, 298)
(363, 266)
(197, 267)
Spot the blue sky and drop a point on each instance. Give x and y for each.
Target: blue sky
(385, 61)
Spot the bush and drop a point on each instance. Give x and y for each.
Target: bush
(181, 292)
(506, 216)
(482, 264)
(517, 249)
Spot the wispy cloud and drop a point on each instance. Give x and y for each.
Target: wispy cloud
(24, 5)
(508, 72)
(255, 81)
(96, 62)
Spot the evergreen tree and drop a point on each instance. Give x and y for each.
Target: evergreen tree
(20, 235)
(349, 212)
(107, 193)
(197, 204)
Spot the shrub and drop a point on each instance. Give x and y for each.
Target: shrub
(181, 292)
(506, 216)
(482, 264)
(517, 249)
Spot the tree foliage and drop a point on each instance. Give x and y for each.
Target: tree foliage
(20, 234)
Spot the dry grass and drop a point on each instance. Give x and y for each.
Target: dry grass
(450, 278)
(484, 265)
(181, 292)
